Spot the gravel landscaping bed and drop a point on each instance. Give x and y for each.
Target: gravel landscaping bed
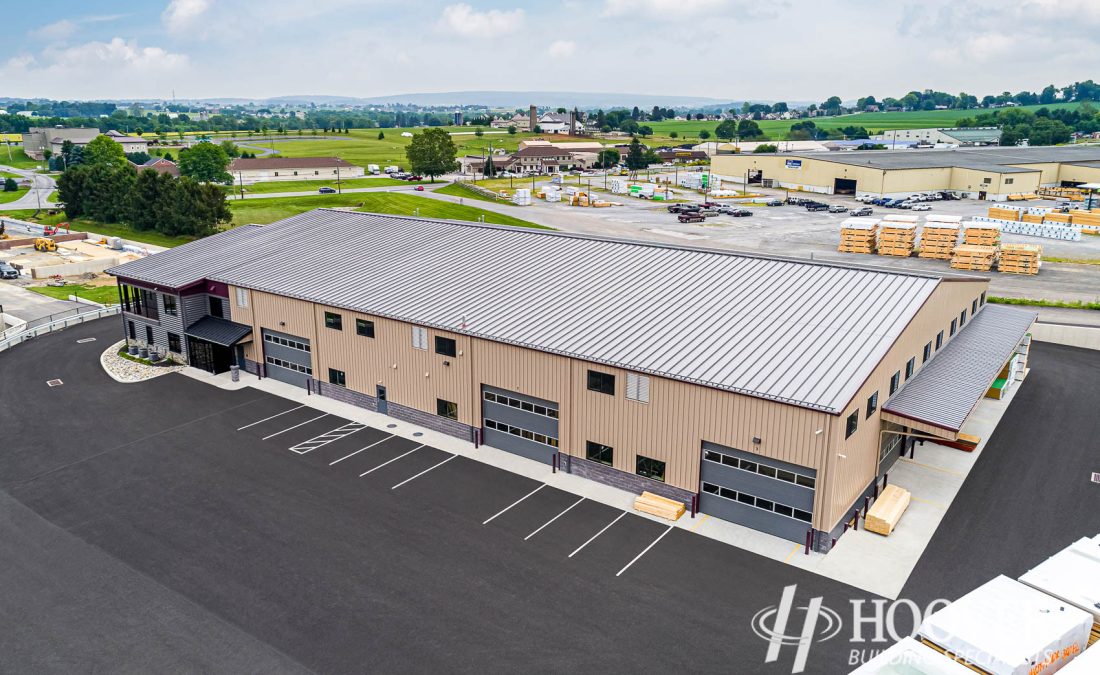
(125, 370)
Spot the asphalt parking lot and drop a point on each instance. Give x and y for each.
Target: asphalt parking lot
(171, 525)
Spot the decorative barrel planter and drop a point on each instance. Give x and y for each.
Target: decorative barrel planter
(143, 352)
(133, 350)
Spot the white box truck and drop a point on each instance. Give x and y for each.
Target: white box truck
(373, 169)
(1005, 627)
(910, 657)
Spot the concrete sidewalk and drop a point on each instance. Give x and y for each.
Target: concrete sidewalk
(861, 559)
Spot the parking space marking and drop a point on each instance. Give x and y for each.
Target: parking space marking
(701, 521)
(645, 550)
(269, 418)
(491, 519)
(293, 427)
(553, 519)
(605, 529)
(797, 548)
(388, 437)
(423, 472)
(390, 461)
(328, 437)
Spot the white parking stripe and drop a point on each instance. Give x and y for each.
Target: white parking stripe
(328, 437)
(605, 528)
(553, 519)
(391, 461)
(269, 418)
(515, 502)
(293, 427)
(361, 450)
(423, 472)
(646, 550)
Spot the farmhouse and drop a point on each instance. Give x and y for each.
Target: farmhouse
(770, 392)
(252, 170)
(991, 173)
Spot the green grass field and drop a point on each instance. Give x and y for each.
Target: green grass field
(105, 229)
(6, 197)
(18, 158)
(314, 185)
(106, 295)
(8, 174)
(262, 211)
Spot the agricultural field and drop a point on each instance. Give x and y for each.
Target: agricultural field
(262, 211)
(313, 185)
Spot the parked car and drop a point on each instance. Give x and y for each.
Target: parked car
(691, 217)
(327, 190)
(710, 205)
(879, 201)
(864, 211)
(838, 208)
(680, 208)
(414, 177)
(865, 199)
(817, 207)
(740, 213)
(773, 202)
(922, 207)
(8, 272)
(708, 212)
(419, 188)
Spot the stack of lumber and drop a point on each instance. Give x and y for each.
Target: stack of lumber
(1006, 212)
(659, 506)
(1088, 220)
(1032, 218)
(857, 235)
(973, 257)
(884, 514)
(981, 234)
(1020, 258)
(897, 239)
(1072, 194)
(1062, 218)
(938, 240)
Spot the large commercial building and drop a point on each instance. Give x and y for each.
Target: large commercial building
(772, 392)
(255, 169)
(978, 173)
(37, 140)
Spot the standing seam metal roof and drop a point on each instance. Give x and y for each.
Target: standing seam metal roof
(799, 332)
(944, 392)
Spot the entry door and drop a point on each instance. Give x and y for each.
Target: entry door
(201, 354)
(380, 394)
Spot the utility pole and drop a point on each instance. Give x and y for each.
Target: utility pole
(339, 185)
(240, 177)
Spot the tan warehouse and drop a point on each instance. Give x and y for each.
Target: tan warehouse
(758, 387)
(991, 173)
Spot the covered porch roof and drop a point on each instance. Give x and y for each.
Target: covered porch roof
(941, 396)
(217, 331)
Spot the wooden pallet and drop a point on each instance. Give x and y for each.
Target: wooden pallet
(900, 252)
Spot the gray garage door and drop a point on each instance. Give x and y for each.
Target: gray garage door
(518, 423)
(287, 358)
(764, 494)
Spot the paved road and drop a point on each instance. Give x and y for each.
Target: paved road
(28, 305)
(313, 193)
(34, 198)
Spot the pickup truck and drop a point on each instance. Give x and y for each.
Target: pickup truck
(692, 217)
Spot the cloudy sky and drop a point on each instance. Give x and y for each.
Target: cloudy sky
(729, 49)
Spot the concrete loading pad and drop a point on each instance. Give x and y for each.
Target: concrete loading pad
(72, 258)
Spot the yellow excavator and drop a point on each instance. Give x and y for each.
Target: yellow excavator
(3, 235)
(45, 245)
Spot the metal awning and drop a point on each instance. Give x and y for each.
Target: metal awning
(218, 331)
(941, 396)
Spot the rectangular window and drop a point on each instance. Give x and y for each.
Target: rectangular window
(170, 305)
(852, 425)
(962, 319)
(650, 468)
(447, 409)
(895, 380)
(939, 340)
(910, 368)
(420, 337)
(974, 307)
(1009, 181)
(364, 328)
(242, 297)
(334, 321)
(927, 353)
(601, 382)
(174, 343)
(981, 301)
(215, 306)
(149, 335)
(987, 181)
(133, 333)
(637, 387)
(337, 377)
(445, 346)
(954, 326)
(872, 404)
(598, 452)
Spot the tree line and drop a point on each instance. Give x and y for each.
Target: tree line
(104, 186)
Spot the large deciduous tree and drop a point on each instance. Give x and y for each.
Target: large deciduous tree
(102, 151)
(206, 163)
(432, 153)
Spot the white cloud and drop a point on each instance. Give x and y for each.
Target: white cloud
(561, 49)
(465, 21)
(663, 9)
(58, 30)
(180, 15)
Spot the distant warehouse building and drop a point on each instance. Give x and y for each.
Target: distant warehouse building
(966, 136)
(773, 392)
(978, 173)
(253, 170)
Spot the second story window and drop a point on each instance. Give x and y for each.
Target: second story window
(334, 321)
(445, 346)
(604, 383)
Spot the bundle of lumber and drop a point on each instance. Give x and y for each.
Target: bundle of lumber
(1088, 220)
(1063, 218)
(1032, 218)
(1020, 258)
(938, 240)
(981, 234)
(974, 258)
(659, 506)
(884, 514)
(897, 239)
(858, 237)
(1005, 212)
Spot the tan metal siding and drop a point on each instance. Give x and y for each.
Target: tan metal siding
(244, 315)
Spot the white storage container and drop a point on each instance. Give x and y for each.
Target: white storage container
(1007, 628)
(1072, 575)
(910, 657)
